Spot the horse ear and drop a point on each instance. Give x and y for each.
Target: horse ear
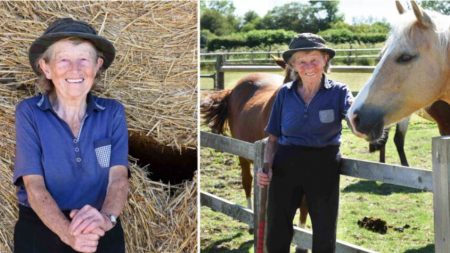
(279, 61)
(400, 7)
(422, 17)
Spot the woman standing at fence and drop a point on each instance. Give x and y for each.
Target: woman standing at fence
(303, 148)
(71, 148)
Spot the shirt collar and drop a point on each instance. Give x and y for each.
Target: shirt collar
(326, 83)
(92, 105)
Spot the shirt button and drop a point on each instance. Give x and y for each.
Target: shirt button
(78, 160)
(77, 149)
(75, 141)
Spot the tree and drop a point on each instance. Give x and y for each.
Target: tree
(250, 22)
(218, 17)
(313, 16)
(224, 7)
(439, 6)
(325, 13)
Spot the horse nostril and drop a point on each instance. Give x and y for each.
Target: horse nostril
(356, 120)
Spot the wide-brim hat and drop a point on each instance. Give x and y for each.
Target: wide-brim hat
(67, 27)
(307, 42)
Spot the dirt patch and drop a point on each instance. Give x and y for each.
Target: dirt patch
(373, 224)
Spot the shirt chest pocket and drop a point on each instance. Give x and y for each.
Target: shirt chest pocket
(103, 152)
(326, 116)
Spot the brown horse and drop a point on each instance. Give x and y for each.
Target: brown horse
(246, 108)
(413, 73)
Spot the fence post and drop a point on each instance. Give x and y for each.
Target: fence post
(258, 162)
(441, 193)
(220, 75)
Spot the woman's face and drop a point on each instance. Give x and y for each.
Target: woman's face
(309, 64)
(72, 67)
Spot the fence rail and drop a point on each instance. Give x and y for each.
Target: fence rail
(348, 50)
(223, 65)
(437, 182)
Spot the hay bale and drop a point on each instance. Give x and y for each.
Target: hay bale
(155, 71)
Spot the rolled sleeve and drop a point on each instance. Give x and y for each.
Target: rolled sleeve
(274, 125)
(119, 152)
(28, 147)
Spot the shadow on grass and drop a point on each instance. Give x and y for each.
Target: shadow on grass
(379, 189)
(216, 247)
(427, 249)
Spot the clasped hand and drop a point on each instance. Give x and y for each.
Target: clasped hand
(88, 225)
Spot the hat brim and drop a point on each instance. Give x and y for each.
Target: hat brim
(44, 42)
(287, 54)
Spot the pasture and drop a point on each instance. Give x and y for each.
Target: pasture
(398, 206)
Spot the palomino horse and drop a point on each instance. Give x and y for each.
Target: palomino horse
(413, 73)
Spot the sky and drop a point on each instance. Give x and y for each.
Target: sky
(352, 9)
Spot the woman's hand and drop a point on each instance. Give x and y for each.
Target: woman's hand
(88, 220)
(263, 178)
(85, 243)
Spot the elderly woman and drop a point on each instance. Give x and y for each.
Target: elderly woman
(72, 148)
(302, 153)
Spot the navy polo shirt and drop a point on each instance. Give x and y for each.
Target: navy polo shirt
(75, 168)
(317, 124)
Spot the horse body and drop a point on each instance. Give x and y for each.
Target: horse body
(246, 108)
(413, 73)
(252, 98)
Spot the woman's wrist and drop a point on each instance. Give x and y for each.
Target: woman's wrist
(109, 221)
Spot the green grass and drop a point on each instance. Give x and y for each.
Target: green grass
(398, 206)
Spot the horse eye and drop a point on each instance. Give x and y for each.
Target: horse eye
(404, 58)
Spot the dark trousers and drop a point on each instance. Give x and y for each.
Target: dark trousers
(32, 236)
(315, 173)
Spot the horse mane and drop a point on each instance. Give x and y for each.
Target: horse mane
(215, 110)
(405, 26)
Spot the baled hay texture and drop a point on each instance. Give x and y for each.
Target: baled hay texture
(155, 71)
(160, 218)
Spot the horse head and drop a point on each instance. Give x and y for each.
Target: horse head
(412, 73)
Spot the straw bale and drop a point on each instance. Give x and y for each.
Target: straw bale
(155, 71)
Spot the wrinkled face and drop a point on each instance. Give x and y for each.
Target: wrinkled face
(409, 76)
(309, 64)
(72, 67)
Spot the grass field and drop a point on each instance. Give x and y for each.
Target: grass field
(398, 206)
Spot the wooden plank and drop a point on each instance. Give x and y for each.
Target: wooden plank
(254, 68)
(441, 196)
(226, 207)
(391, 174)
(242, 214)
(227, 144)
(303, 237)
(277, 52)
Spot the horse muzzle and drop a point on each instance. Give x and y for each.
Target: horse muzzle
(367, 122)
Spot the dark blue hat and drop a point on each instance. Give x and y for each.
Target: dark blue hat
(67, 27)
(307, 42)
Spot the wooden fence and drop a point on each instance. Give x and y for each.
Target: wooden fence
(437, 182)
(222, 65)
